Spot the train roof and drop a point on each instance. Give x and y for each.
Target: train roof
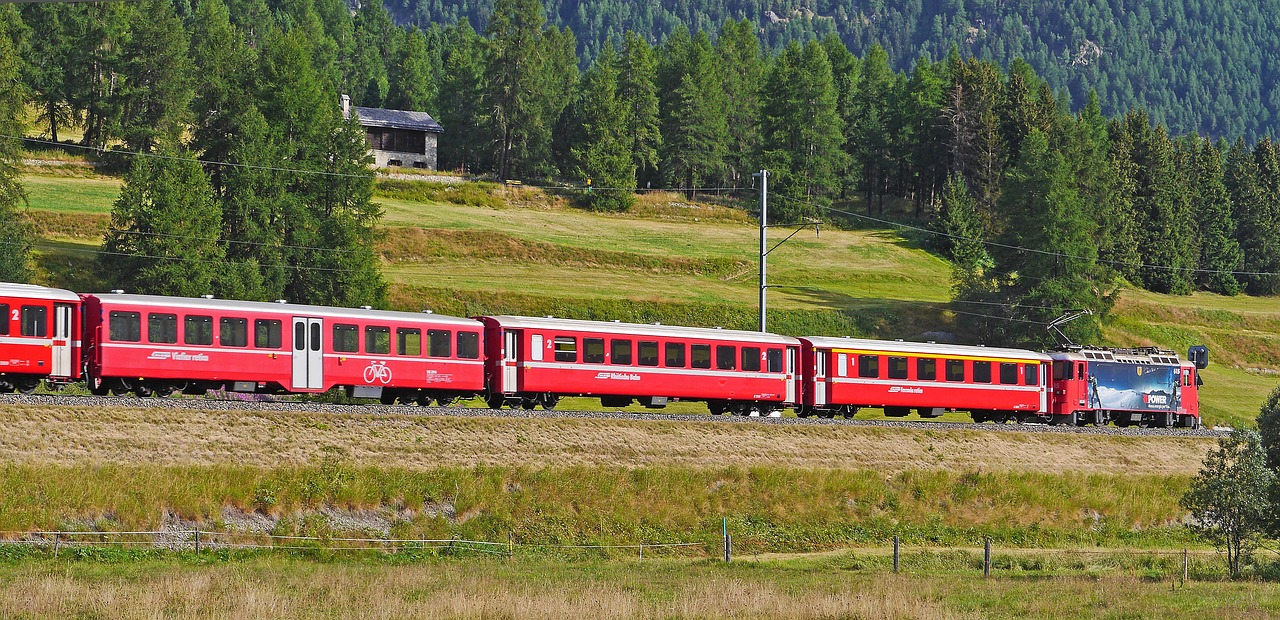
(32, 291)
(232, 305)
(924, 348)
(641, 329)
(1149, 355)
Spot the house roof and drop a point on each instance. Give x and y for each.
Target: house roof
(397, 119)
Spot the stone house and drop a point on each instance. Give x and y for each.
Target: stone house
(397, 137)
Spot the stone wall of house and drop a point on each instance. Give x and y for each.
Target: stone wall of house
(391, 159)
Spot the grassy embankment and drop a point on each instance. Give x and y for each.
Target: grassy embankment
(480, 248)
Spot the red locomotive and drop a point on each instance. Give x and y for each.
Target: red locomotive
(145, 345)
(39, 337)
(535, 361)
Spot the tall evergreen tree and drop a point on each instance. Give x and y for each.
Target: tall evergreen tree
(15, 234)
(162, 239)
(873, 132)
(1168, 247)
(415, 82)
(694, 129)
(515, 75)
(47, 74)
(741, 56)
(224, 64)
(925, 132)
(461, 100)
(1255, 189)
(1220, 253)
(977, 149)
(638, 94)
(155, 90)
(845, 72)
(602, 154)
(962, 239)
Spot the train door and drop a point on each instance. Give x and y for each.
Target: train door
(791, 375)
(1043, 369)
(509, 361)
(308, 353)
(822, 360)
(61, 347)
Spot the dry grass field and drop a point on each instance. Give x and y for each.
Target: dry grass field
(69, 435)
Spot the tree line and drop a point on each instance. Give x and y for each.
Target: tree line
(1042, 210)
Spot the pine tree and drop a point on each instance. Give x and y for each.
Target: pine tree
(1220, 254)
(845, 72)
(162, 239)
(414, 81)
(253, 203)
(873, 131)
(694, 129)
(741, 55)
(925, 132)
(638, 94)
(461, 107)
(976, 147)
(224, 65)
(50, 56)
(961, 238)
(515, 77)
(15, 234)
(156, 78)
(602, 154)
(1255, 191)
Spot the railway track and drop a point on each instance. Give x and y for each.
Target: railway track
(220, 404)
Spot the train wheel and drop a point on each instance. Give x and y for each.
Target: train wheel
(443, 401)
(142, 391)
(120, 387)
(26, 387)
(716, 407)
(803, 411)
(387, 397)
(528, 404)
(549, 401)
(495, 401)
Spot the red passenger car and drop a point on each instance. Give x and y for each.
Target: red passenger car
(1147, 387)
(146, 344)
(534, 361)
(842, 375)
(37, 336)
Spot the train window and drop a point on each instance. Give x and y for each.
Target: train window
(982, 372)
(675, 355)
(620, 351)
(726, 357)
(1031, 374)
(700, 356)
(775, 360)
(648, 353)
(4, 319)
(869, 366)
(377, 339)
(566, 349)
(955, 370)
(751, 359)
(1062, 370)
(35, 321)
(233, 332)
(926, 369)
(162, 328)
(266, 333)
(299, 336)
(124, 326)
(469, 345)
(897, 368)
(346, 338)
(438, 342)
(1008, 374)
(315, 336)
(1082, 374)
(409, 342)
(197, 329)
(593, 350)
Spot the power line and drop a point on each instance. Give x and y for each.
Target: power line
(1020, 248)
(99, 251)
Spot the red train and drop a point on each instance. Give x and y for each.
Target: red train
(152, 345)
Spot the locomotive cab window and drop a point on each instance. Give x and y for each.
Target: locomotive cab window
(726, 358)
(233, 332)
(620, 351)
(593, 350)
(469, 345)
(1062, 371)
(346, 338)
(266, 333)
(982, 372)
(675, 355)
(566, 349)
(124, 326)
(408, 342)
(4, 319)
(700, 356)
(927, 369)
(162, 328)
(377, 339)
(197, 329)
(751, 359)
(955, 370)
(35, 321)
(775, 360)
(648, 353)
(897, 368)
(1008, 374)
(869, 366)
(438, 342)
(1031, 374)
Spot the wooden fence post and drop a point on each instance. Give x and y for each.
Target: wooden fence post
(986, 558)
(896, 543)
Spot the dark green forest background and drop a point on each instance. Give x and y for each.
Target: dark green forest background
(1202, 66)
(1042, 205)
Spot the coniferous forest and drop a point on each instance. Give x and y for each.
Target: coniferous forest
(1045, 200)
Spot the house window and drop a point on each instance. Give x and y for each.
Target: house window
(125, 327)
(197, 329)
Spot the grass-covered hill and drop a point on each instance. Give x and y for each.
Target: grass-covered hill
(475, 248)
